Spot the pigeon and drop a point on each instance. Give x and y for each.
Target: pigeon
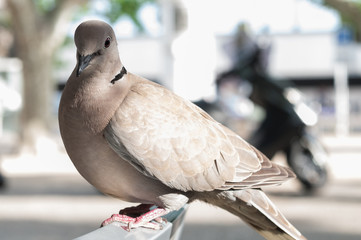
(137, 141)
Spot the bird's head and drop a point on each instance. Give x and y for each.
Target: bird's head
(96, 45)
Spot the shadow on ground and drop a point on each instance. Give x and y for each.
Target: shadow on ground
(71, 185)
(234, 232)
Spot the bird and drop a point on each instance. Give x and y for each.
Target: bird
(137, 141)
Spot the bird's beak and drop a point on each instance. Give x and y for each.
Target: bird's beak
(83, 62)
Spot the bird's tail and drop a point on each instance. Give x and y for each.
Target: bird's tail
(257, 210)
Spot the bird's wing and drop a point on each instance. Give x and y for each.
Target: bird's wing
(169, 138)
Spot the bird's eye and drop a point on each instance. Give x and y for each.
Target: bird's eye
(107, 42)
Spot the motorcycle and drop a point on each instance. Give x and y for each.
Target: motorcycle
(285, 125)
(305, 154)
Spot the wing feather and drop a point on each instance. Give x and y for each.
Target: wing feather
(171, 139)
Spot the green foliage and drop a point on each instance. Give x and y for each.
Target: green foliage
(115, 9)
(127, 8)
(45, 6)
(349, 12)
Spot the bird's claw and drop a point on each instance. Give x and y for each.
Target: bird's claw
(149, 225)
(117, 218)
(151, 219)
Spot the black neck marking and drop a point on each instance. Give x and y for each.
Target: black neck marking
(119, 75)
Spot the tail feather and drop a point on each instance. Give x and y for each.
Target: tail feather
(257, 210)
(273, 235)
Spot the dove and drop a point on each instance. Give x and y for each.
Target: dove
(137, 141)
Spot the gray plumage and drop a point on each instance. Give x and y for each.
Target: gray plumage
(137, 141)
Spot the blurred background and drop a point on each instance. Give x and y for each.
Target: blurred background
(225, 55)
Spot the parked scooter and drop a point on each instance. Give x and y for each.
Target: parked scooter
(284, 127)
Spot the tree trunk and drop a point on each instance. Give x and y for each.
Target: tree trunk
(37, 36)
(38, 88)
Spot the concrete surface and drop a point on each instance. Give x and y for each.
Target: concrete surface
(50, 204)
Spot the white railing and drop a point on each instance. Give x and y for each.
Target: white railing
(171, 231)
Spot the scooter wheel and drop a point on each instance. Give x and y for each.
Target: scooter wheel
(305, 166)
(2, 181)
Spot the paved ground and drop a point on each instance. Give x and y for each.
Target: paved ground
(62, 205)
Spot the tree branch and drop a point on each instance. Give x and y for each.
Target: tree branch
(24, 23)
(56, 21)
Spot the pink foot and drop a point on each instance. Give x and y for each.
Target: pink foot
(150, 219)
(153, 216)
(118, 218)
